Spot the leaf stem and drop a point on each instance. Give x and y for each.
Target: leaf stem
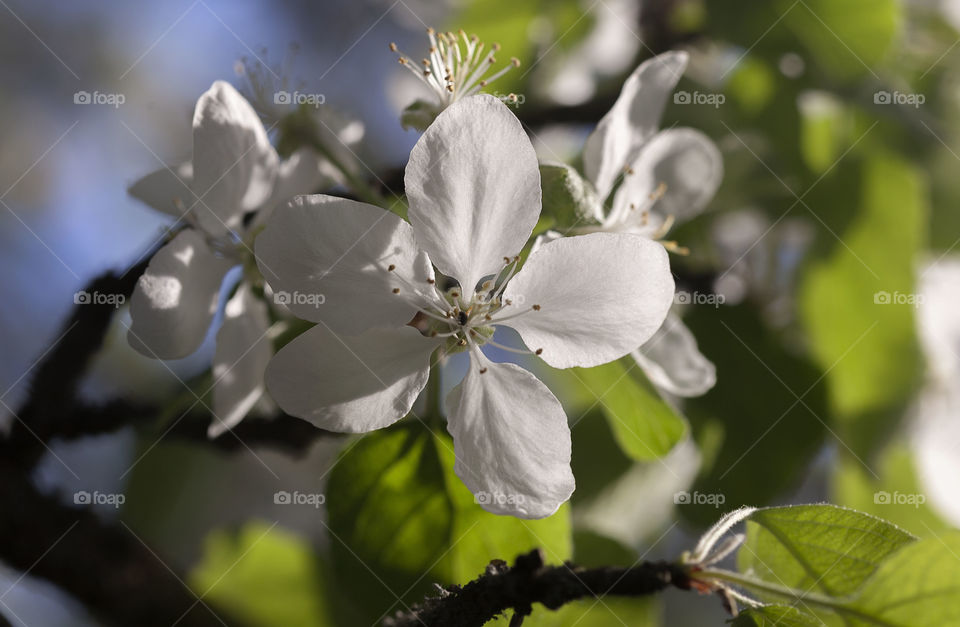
(839, 605)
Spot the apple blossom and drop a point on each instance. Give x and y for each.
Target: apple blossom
(224, 193)
(652, 180)
(456, 67)
(474, 190)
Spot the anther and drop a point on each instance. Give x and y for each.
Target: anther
(396, 290)
(393, 47)
(391, 268)
(482, 370)
(539, 351)
(536, 307)
(431, 281)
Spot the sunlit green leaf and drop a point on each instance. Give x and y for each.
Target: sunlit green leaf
(263, 575)
(856, 299)
(817, 547)
(775, 616)
(401, 519)
(644, 425)
(917, 585)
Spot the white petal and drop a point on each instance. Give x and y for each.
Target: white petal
(474, 188)
(243, 351)
(351, 384)
(935, 439)
(168, 189)
(544, 238)
(632, 120)
(234, 165)
(176, 297)
(300, 173)
(686, 161)
(328, 259)
(511, 440)
(938, 318)
(672, 361)
(600, 296)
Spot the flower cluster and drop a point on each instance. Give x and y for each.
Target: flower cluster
(223, 196)
(642, 181)
(390, 298)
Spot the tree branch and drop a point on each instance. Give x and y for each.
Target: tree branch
(101, 565)
(529, 581)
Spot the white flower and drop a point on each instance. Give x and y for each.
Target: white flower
(474, 190)
(936, 424)
(456, 67)
(234, 171)
(656, 179)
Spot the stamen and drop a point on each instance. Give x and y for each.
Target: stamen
(456, 66)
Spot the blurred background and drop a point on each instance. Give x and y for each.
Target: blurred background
(822, 278)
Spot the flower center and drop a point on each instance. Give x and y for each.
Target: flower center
(467, 322)
(456, 66)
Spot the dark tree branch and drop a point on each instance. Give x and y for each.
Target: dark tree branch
(529, 581)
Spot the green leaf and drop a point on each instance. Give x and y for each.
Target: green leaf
(817, 547)
(757, 438)
(567, 197)
(866, 346)
(775, 616)
(846, 37)
(643, 424)
(841, 565)
(264, 575)
(918, 585)
(401, 520)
